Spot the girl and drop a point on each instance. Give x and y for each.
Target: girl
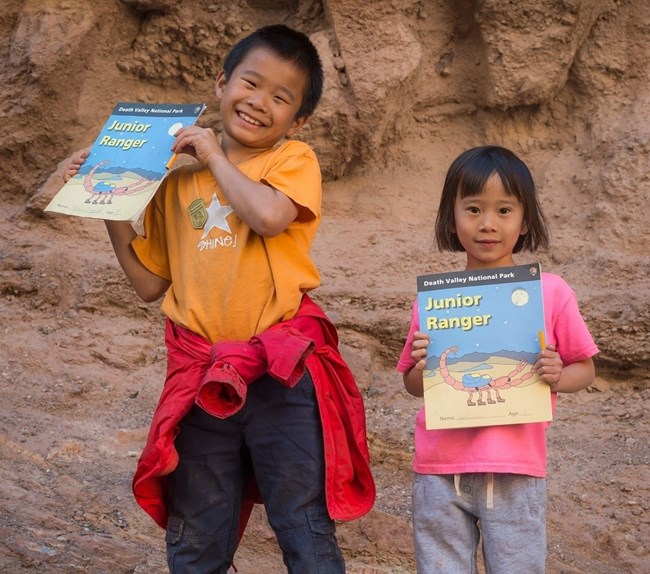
(490, 481)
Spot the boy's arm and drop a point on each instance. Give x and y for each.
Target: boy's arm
(73, 167)
(148, 286)
(564, 379)
(265, 210)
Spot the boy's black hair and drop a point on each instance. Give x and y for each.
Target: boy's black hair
(467, 177)
(290, 45)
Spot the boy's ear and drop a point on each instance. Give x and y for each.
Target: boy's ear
(297, 125)
(220, 84)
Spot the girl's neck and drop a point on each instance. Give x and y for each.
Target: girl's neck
(472, 265)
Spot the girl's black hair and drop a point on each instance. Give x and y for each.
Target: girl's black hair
(290, 45)
(467, 177)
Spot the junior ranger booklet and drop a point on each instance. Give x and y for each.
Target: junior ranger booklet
(126, 164)
(486, 329)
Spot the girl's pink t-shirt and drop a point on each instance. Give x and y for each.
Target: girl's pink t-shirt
(516, 449)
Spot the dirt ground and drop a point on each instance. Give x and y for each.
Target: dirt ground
(81, 367)
(410, 84)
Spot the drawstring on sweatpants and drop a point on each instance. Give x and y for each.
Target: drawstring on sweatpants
(457, 483)
(489, 501)
(490, 490)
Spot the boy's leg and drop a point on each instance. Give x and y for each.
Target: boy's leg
(204, 494)
(445, 529)
(514, 530)
(285, 439)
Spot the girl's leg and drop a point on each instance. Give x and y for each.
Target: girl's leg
(285, 439)
(204, 494)
(514, 530)
(445, 529)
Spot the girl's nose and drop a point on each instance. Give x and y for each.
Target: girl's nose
(488, 222)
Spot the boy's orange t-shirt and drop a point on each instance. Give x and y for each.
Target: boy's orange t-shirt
(228, 282)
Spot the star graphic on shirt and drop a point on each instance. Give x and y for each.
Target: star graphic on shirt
(217, 214)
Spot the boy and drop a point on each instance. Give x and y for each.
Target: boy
(257, 400)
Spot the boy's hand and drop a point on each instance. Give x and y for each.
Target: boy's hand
(419, 350)
(549, 366)
(74, 165)
(200, 143)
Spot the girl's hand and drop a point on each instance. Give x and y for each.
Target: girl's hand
(200, 143)
(413, 381)
(74, 165)
(549, 366)
(419, 350)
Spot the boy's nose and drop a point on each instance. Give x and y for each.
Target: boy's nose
(257, 101)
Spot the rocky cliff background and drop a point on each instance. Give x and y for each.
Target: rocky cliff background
(409, 85)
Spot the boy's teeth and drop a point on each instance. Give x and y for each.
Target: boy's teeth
(249, 119)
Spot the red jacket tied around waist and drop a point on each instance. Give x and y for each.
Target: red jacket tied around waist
(216, 376)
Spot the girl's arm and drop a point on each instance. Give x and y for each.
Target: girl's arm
(413, 381)
(148, 286)
(564, 379)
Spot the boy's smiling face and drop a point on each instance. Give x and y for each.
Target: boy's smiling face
(259, 103)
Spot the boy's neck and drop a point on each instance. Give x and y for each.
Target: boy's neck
(237, 153)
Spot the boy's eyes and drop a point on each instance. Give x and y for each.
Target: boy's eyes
(253, 84)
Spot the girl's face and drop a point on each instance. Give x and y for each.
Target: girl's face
(488, 225)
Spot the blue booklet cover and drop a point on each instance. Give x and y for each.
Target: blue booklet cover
(486, 329)
(127, 162)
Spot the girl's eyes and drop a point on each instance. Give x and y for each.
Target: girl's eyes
(502, 210)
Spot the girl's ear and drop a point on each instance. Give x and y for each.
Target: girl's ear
(524, 228)
(220, 84)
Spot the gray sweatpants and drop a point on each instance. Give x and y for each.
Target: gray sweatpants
(451, 513)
